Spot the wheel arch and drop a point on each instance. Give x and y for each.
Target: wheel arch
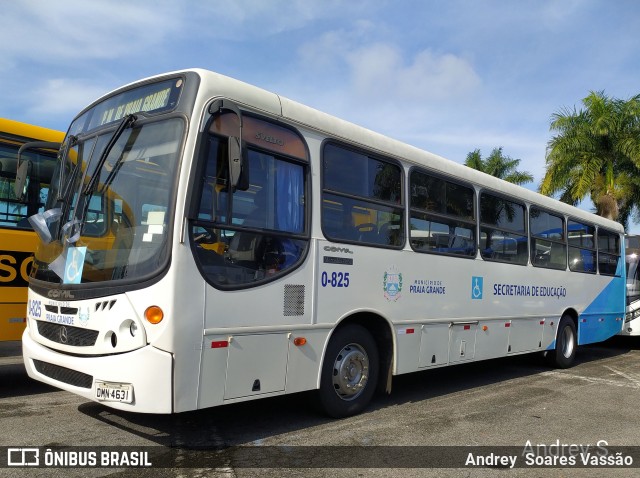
(381, 331)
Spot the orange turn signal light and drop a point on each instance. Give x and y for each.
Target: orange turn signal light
(299, 341)
(154, 314)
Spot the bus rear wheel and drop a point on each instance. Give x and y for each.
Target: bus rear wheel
(566, 344)
(349, 372)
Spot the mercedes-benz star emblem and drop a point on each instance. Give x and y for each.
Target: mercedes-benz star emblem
(64, 335)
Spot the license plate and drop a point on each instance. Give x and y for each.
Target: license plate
(114, 392)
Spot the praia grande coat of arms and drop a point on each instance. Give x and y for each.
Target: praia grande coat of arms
(392, 284)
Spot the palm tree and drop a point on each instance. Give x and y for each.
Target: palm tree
(596, 152)
(498, 165)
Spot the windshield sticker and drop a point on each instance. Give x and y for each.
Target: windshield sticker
(155, 218)
(155, 221)
(74, 265)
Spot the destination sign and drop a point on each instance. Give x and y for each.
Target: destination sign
(153, 98)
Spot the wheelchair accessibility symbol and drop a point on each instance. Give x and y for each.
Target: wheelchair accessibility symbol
(476, 287)
(74, 265)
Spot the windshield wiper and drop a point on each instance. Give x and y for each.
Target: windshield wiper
(126, 122)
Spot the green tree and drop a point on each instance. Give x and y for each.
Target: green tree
(498, 165)
(596, 152)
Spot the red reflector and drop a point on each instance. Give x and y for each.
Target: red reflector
(584, 321)
(467, 327)
(542, 322)
(411, 331)
(219, 344)
(507, 324)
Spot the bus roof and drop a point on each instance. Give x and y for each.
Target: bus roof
(27, 131)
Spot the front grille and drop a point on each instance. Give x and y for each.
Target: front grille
(67, 335)
(63, 374)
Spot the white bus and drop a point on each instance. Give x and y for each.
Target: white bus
(260, 247)
(632, 318)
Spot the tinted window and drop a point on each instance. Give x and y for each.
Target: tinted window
(442, 216)
(362, 198)
(582, 253)
(608, 252)
(248, 235)
(548, 248)
(502, 230)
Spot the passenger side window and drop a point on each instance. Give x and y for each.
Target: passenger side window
(361, 198)
(245, 236)
(582, 249)
(608, 252)
(442, 216)
(548, 248)
(502, 230)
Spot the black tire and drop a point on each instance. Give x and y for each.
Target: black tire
(566, 344)
(349, 372)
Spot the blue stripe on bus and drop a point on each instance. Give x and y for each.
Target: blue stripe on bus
(603, 318)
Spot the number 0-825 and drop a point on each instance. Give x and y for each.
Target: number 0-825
(335, 279)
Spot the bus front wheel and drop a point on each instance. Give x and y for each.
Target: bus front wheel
(566, 344)
(349, 372)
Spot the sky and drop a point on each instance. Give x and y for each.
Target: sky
(447, 76)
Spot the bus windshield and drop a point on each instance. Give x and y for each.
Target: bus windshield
(633, 280)
(124, 232)
(116, 183)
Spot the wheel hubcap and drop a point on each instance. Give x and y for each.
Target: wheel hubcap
(350, 372)
(567, 342)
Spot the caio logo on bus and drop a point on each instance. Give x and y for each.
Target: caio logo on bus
(14, 268)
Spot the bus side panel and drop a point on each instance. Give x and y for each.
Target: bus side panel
(526, 335)
(434, 346)
(604, 317)
(16, 258)
(248, 348)
(492, 339)
(248, 366)
(12, 320)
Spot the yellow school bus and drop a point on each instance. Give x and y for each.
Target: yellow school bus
(17, 239)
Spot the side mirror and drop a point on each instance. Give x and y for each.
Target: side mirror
(238, 162)
(24, 167)
(20, 185)
(238, 165)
